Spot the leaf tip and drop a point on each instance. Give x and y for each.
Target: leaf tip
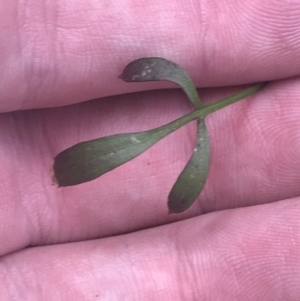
(176, 205)
(53, 177)
(131, 72)
(121, 76)
(144, 69)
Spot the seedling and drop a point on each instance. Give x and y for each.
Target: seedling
(89, 160)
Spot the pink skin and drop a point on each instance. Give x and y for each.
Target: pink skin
(54, 53)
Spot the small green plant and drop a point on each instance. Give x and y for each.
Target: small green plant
(88, 160)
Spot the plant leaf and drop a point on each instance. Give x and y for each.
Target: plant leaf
(155, 69)
(192, 179)
(88, 160)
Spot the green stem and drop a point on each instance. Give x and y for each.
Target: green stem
(206, 110)
(215, 106)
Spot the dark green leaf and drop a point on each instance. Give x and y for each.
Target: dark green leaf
(155, 69)
(88, 160)
(192, 179)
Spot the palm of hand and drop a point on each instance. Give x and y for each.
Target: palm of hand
(243, 253)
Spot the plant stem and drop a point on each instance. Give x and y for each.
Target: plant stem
(215, 106)
(206, 110)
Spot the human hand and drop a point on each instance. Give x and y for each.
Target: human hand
(93, 241)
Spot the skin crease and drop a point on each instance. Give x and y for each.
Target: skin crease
(112, 239)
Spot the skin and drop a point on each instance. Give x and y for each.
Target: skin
(112, 239)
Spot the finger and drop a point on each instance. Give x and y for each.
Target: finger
(243, 254)
(58, 53)
(255, 159)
